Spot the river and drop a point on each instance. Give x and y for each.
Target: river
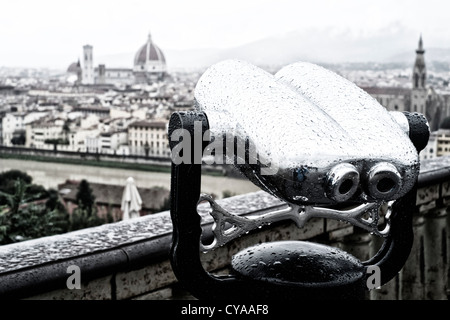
(50, 175)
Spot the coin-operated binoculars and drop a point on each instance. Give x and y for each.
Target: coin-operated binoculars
(314, 140)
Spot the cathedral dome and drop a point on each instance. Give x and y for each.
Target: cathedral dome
(149, 53)
(74, 67)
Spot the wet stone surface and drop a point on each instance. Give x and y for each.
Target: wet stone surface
(439, 163)
(39, 251)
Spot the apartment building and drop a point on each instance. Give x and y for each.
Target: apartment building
(148, 138)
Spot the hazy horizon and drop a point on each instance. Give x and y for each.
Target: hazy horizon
(51, 33)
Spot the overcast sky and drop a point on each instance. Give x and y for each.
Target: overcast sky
(42, 32)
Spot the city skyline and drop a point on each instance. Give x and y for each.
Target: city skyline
(51, 33)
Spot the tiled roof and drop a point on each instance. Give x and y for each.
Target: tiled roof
(397, 91)
(149, 124)
(152, 198)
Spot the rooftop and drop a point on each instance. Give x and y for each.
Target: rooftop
(153, 198)
(149, 124)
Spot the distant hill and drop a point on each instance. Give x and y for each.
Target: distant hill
(397, 45)
(431, 54)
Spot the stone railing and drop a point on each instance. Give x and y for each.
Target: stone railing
(129, 259)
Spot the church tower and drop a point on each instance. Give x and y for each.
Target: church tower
(419, 90)
(88, 65)
(420, 71)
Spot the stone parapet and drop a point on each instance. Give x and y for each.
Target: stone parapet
(129, 259)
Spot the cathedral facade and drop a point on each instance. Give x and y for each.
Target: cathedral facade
(149, 66)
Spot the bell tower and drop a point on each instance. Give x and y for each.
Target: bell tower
(420, 71)
(419, 76)
(88, 65)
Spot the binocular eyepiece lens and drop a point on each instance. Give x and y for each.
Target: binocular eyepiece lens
(384, 181)
(343, 181)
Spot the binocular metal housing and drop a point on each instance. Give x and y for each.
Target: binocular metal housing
(314, 140)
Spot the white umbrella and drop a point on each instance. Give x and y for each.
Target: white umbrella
(131, 200)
